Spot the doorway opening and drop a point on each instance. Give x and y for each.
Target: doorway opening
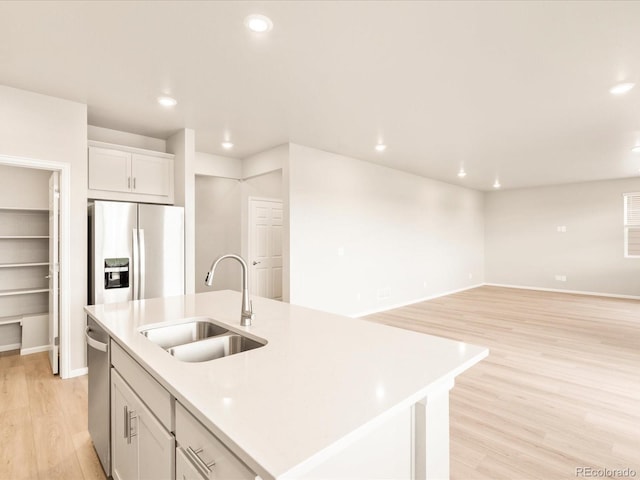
(34, 258)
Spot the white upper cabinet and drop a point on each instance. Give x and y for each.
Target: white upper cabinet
(109, 170)
(150, 175)
(129, 174)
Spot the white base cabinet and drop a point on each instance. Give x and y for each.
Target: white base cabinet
(141, 448)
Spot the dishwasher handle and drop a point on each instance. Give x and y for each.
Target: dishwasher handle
(93, 343)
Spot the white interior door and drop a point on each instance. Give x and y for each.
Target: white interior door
(54, 269)
(265, 247)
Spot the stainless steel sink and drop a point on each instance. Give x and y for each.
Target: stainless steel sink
(173, 335)
(212, 348)
(200, 340)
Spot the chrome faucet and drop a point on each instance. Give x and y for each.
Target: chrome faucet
(246, 315)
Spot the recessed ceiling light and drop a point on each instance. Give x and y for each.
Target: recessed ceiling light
(381, 147)
(621, 88)
(227, 145)
(166, 101)
(258, 23)
(496, 184)
(462, 173)
(636, 149)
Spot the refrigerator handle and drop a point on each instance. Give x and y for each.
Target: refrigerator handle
(141, 260)
(135, 263)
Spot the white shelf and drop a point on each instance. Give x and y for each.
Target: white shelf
(22, 237)
(24, 210)
(18, 265)
(10, 320)
(22, 291)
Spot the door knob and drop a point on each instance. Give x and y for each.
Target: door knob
(256, 263)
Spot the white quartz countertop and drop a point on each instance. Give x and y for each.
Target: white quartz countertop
(321, 381)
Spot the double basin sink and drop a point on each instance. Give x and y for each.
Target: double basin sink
(199, 340)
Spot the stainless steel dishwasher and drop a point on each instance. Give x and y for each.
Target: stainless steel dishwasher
(99, 360)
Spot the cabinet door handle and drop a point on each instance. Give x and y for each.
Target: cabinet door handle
(201, 465)
(129, 415)
(134, 183)
(126, 424)
(132, 417)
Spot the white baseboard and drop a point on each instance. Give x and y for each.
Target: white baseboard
(29, 351)
(558, 290)
(411, 302)
(78, 372)
(9, 347)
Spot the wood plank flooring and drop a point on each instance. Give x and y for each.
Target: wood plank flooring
(43, 423)
(560, 389)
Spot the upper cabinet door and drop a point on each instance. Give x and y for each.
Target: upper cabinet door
(109, 170)
(150, 175)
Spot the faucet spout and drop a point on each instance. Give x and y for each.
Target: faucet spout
(246, 314)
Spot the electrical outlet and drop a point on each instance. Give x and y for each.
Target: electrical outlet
(424, 284)
(470, 276)
(561, 278)
(562, 229)
(358, 296)
(341, 251)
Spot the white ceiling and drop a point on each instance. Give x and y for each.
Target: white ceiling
(514, 89)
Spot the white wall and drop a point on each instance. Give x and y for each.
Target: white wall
(524, 248)
(218, 166)
(46, 128)
(266, 161)
(24, 187)
(217, 230)
(403, 237)
(182, 145)
(125, 138)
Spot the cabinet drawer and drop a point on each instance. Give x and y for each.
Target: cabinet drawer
(208, 455)
(185, 470)
(148, 389)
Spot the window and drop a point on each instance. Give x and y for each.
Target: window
(632, 225)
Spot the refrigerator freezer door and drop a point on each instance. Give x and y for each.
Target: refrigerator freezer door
(161, 237)
(113, 268)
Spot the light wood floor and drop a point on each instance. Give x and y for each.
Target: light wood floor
(43, 422)
(559, 390)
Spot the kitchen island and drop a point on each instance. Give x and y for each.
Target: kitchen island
(326, 396)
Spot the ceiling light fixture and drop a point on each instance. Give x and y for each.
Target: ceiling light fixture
(496, 184)
(636, 149)
(227, 145)
(258, 23)
(168, 102)
(621, 88)
(462, 173)
(381, 147)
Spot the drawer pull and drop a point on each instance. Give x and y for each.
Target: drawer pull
(201, 465)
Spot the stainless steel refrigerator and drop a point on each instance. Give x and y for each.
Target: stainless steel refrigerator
(136, 251)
